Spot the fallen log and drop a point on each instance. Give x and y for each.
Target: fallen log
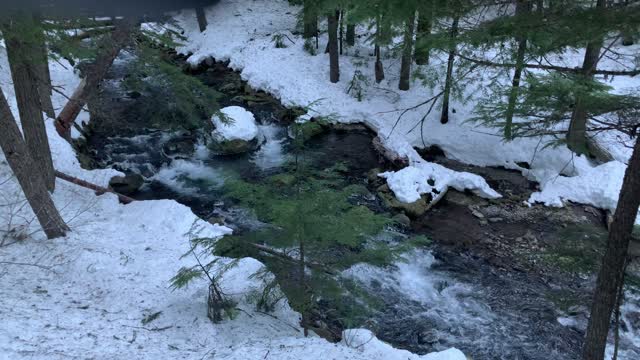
(97, 188)
(110, 48)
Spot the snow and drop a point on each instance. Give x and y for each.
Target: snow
(85, 295)
(409, 183)
(301, 79)
(242, 125)
(587, 188)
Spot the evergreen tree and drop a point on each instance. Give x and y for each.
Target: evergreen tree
(24, 40)
(407, 51)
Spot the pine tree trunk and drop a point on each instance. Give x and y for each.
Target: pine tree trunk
(577, 134)
(523, 8)
(424, 31)
(379, 69)
(202, 18)
(611, 273)
(41, 54)
(341, 37)
(89, 86)
(446, 95)
(334, 64)
(407, 53)
(310, 21)
(26, 171)
(22, 63)
(351, 34)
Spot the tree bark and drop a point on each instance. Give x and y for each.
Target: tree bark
(23, 55)
(577, 134)
(26, 171)
(310, 20)
(42, 71)
(611, 273)
(334, 61)
(351, 34)
(446, 95)
(379, 69)
(523, 7)
(424, 31)
(89, 86)
(97, 188)
(407, 53)
(202, 18)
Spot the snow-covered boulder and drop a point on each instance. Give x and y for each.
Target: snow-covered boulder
(236, 131)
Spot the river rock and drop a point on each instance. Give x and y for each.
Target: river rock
(402, 219)
(235, 132)
(126, 185)
(179, 148)
(414, 209)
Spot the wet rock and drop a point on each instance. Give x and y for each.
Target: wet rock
(476, 213)
(463, 199)
(414, 209)
(233, 147)
(235, 132)
(373, 178)
(495, 219)
(179, 148)
(402, 219)
(126, 185)
(216, 220)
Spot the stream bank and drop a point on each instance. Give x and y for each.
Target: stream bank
(492, 281)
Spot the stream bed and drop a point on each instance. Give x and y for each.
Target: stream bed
(431, 298)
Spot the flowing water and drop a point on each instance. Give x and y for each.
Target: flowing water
(432, 299)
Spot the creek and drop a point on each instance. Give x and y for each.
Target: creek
(432, 297)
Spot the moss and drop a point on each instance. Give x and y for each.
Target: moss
(578, 249)
(310, 129)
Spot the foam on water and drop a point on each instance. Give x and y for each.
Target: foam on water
(190, 177)
(271, 154)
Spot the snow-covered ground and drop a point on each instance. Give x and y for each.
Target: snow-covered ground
(245, 39)
(85, 295)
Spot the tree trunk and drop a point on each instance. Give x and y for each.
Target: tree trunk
(523, 8)
(577, 135)
(422, 36)
(611, 273)
(379, 69)
(310, 20)
(26, 171)
(334, 61)
(351, 34)
(89, 86)
(446, 95)
(407, 53)
(341, 37)
(42, 71)
(24, 71)
(202, 18)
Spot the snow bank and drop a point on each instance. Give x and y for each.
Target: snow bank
(598, 186)
(298, 78)
(242, 125)
(411, 182)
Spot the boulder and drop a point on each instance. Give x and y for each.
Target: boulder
(126, 185)
(236, 132)
(414, 209)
